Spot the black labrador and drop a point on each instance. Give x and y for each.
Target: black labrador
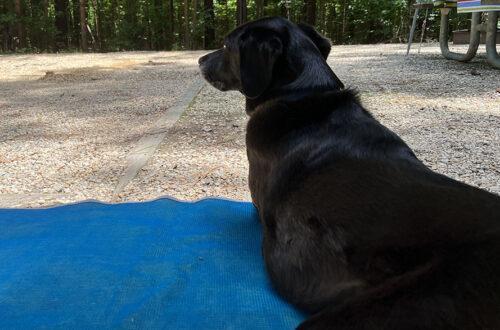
(357, 230)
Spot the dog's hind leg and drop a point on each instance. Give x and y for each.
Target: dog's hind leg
(397, 303)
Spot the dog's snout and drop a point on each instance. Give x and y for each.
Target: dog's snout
(216, 70)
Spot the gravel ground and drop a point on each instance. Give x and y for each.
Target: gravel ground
(64, 136)
(68, 121)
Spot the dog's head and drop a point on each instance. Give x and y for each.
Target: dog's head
(270, 54)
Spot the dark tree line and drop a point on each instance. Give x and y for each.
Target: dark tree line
(111, 25)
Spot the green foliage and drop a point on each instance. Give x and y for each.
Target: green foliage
(181, 24)
(7, 18)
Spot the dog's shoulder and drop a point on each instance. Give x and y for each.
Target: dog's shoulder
(273, 120)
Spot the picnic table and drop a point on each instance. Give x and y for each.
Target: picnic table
(476, 7)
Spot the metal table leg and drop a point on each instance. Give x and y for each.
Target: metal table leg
(491, 36)
(424, 25)
(412, 30)
(474, 37)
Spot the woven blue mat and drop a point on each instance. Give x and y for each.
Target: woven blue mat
(160, 264)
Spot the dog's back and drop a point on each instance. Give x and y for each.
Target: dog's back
(358, 230)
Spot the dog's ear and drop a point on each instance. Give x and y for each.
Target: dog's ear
(259, 50)
(321, 42)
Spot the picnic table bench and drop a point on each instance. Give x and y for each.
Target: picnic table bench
(476, 7)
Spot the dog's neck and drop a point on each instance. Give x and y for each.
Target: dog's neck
(314, 76)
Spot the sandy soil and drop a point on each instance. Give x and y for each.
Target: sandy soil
(65, 134)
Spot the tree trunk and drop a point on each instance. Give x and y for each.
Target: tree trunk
(259, 8)
(283, 9)
(129, 34)
(187, 34)
(36, 24)
(171, 15)
(208, 41)
(21, 37)
(83, 25)
(6, 28)
(344, 20)
(61, 23)
(178, 27)
(241, 12)
(160, 28)
(45, 25)
(320, 19)
(75, 23)
(2, 29)
(331, 18)
(111, 20)
(97, 22)
(226, 21)
(310, 11)
(194, 21)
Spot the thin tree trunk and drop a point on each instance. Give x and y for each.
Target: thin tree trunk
(320, 19)
(113, 20)
(97, 22)
(259, 8)
(310, 11)
(194, 21)
(83, 25)
(6, 28)
(283, 9)
(187, 37)
(160, 16)
(2, 29)
(151, 34)
(208, 41)
(75, 23)
(34, 33)
(61, 23)
(331, 17)
(225, 19)
(179, 26)
(344, 20)
(45, 35)
(241, 12)
(171, 16)
(21, 38)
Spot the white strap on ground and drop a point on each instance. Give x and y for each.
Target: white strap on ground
(148, 144)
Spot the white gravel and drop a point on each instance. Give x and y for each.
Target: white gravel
(65, 135)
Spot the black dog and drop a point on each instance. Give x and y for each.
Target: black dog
(356, 229)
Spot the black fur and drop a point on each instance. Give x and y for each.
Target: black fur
(356, 229)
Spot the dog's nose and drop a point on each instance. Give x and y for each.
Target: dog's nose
(202, 59)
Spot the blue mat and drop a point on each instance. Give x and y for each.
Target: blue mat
(160, 264)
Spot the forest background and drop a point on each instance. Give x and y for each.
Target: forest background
(117, 25)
